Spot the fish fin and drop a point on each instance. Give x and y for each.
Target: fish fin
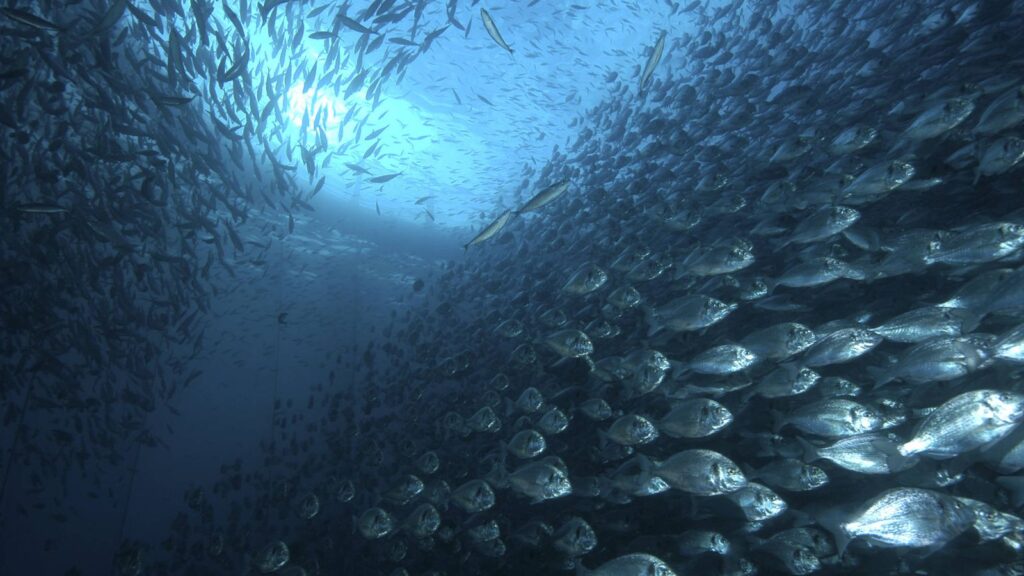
(801, 519)
(778, 420)
(646, 465)
(832, 520)
(996, 453)
(810, 451)
(1014, 486)
(971, 319)
(881, 375)
(894, 458)
(958, 464)
(679, 369)
(748, 395)
(651, 320)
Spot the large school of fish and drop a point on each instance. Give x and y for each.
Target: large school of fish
(764, 316)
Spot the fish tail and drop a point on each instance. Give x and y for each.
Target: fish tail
(1014, 485)
(654, 325)
(810, 451)
(832, 521)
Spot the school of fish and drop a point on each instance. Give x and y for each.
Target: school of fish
(765, 315)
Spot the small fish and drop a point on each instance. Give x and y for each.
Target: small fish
(41, 208)
(544, 197)
(375, 523)
(353, 24)
(490, 230)
(652, 61)
(385, 178)
(30, 19)
(632, 430)
(492, 30)
(696, 418)
(701, 472)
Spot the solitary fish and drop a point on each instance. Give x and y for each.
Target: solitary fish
(40, 208)
(493, 30)
(385, 178)
(491, 229)
(29, 19)
(652, 61)
(544, 197)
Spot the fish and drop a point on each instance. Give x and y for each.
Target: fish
(965, 422)
(906, 517)
(491, 229)
(492, 30)
(42, 208)
(783, 301)
(544, 197)
(30, 19)
(384, 178)
(652, 61)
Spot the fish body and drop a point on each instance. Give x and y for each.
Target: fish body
(492, 30)
(907, 518)
(544, 197)
(701, 472)
(489, 231)
(652, 60)
(965, 422)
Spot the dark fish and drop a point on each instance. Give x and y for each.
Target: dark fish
(385, 178)
(42, 208)
(111, 16)
(353, 24)
(30, 19)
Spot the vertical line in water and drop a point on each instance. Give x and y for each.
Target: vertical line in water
(128, 500)
(271, 460)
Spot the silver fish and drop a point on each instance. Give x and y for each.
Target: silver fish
(966, 422)
(652, 61)
(492, 30)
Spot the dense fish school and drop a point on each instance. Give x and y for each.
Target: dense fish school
(763, 312)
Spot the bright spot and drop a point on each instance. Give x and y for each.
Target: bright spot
(307, 107)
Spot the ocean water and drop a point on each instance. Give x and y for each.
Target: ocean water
(511, 286)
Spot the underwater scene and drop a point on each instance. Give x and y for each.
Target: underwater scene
(512, 287)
